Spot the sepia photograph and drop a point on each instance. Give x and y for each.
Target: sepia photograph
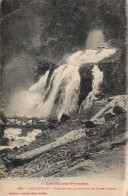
(63, 97)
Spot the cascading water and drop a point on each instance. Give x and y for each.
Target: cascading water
(59, 93)
(65, 79)
(98, 78)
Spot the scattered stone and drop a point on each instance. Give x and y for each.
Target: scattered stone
(109, 99)
(24, 132)
(2, 167)
(3, 117)
(51, 126)
(5, 159)
(8, 164)
(4, 142)
(99, 121)
(10, 157)
(118, 144)
(86, 155)
(64, 118)
(100, 96)
(15, 148)
(75, 158)
(6, 151)
(2, 128)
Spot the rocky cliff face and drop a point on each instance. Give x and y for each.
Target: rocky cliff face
(37, 34)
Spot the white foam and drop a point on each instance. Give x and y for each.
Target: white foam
(63, 85)
(16, 141)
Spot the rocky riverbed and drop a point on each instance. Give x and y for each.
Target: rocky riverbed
(99, 149)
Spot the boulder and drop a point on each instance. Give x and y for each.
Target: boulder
(39, 135)
(118, 106)
(53, 120)
(118, 110)
(15, 148)
(4, 142)
(3, 117)
(109, 99)
(5, 151)
(8, 164)
(108, 116)
(89, 124)
(24, 132)
(100, 96)
(64, 118)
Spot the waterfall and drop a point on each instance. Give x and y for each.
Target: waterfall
(98, 78)
(59, 93)
(66, 79)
